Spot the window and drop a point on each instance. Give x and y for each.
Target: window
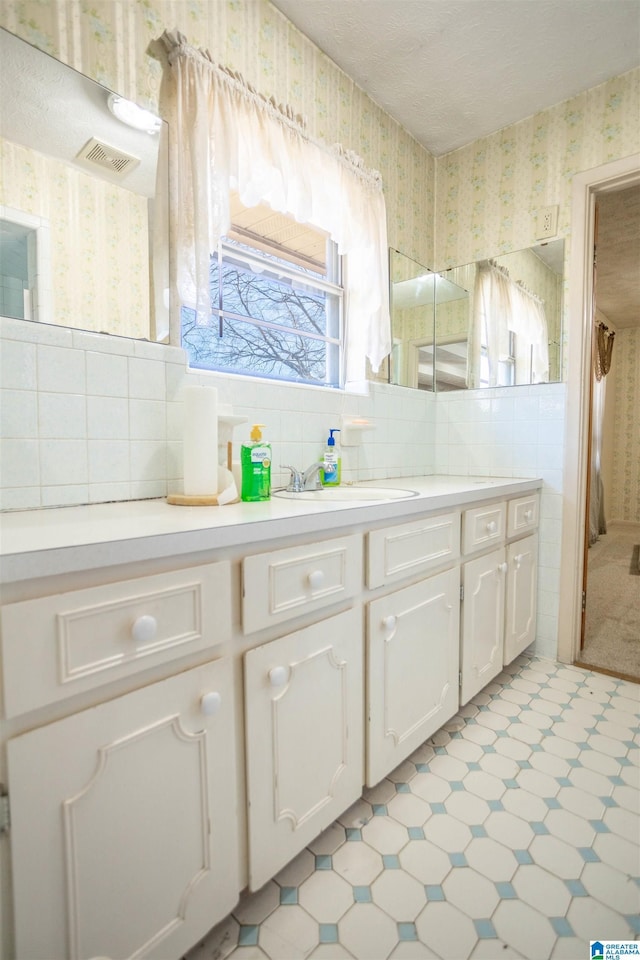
(276, 302)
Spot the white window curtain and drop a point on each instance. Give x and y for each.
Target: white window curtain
(489, 322)
(529, 323)
(502, 306)
(227, 136)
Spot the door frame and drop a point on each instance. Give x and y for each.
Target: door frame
(586, 185)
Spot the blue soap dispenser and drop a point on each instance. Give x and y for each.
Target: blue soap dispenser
(330, 473)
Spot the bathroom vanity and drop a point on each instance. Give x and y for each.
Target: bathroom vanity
(191, 695)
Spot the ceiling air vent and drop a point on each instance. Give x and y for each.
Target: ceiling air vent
(96, 153)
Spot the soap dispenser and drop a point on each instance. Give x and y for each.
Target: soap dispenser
(330, 472)
(255, 459)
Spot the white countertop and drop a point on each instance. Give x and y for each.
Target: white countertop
(39, 543)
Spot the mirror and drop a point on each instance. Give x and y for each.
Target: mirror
(81, 202)
(493, 323)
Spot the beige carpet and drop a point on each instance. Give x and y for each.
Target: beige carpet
(612, 637)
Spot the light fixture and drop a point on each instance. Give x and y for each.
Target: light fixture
(133, 115)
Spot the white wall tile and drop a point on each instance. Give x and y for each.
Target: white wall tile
(19, 414)
(29, 331)
(108, 461)
(147, 420)
(147, 379)
(62, 416)
(19, 498)
(61, 369)
(107, 418)
(18, 365)
(148, 460)
(63, 462)
(107, 375)
(106, 492)
(66, 495)
(19, 463)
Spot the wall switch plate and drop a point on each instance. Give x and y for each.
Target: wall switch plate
(547, 222)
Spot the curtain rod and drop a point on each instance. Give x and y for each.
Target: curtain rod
(176, 44)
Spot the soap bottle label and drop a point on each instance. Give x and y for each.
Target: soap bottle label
(331, 467)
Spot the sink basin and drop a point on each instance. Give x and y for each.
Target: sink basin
(352, 493)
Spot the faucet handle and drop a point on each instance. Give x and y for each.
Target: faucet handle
(295, 480)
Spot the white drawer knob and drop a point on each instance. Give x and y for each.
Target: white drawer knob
(278, 676)
(528, 515)
(144, 629)
(210, 703)
(492, 526)
(389, 624)
(502, 567)
(316, 579)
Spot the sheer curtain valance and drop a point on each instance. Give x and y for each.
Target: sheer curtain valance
(229, 137)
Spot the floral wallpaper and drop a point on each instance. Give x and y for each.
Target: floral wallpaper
(92, 223)
(624, 501)
(109, 42)
(489, 192)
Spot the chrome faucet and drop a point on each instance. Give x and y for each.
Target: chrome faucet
(311, 476)
(308, 479)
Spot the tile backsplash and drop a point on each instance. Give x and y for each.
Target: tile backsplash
(89, 418)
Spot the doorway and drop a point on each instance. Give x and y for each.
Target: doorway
(610, 640)
(587, 188)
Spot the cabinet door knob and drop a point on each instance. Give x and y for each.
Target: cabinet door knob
(144, 629)
(278, 676)
(518, 560)
(389, 625)
(210, 703)
(492, 526)
(316, 579)
(503, 567)
(528, 515)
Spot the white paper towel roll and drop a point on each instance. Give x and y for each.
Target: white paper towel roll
(200, 440)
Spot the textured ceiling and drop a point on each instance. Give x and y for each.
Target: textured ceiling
(451, 71)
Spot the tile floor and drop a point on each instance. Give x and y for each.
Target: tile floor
(513, 832)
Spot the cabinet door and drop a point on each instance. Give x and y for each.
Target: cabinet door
(412, 672)
(482, 622)
(124, 825)
(522, 582)
(304, 706)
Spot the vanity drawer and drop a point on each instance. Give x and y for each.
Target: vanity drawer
(483, 527)
(57, 646)
(412, 548)
(523, 515)
(284, 584)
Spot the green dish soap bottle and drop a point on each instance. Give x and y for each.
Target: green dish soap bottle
(330, 473)
(255, 459)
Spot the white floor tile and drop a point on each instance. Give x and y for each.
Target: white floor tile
(524, 928)
(513, 833)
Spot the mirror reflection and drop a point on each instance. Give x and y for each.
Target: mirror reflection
(80, 201)
(491, 323)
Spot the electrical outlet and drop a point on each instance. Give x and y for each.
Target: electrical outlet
(547, 222)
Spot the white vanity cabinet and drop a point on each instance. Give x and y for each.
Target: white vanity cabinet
(124, 833)
(304, 741)
(412, 668)
(303, 697)
(412, 637)
(482, 631)
(498, 588)
(172, 734)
